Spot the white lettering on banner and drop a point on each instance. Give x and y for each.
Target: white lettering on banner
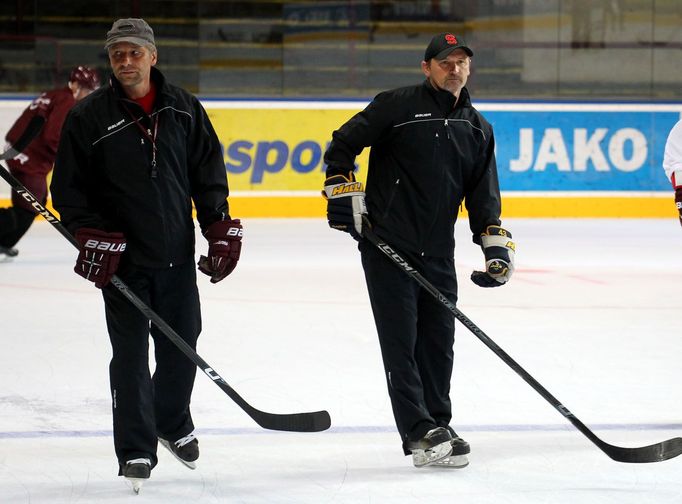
(525, 160)
(553, 151)
(588, 148)
(617, 149)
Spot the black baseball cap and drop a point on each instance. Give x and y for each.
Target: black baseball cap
(443, 44)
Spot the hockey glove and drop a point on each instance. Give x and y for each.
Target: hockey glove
(678, 201)
(224, 248)
(345, 204)
(499, 249)
(100, 253)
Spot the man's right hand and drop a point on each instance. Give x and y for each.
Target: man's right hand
(345, 204)
(100, 253)
(678, 201)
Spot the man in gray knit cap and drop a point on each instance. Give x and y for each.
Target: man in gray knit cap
(131, 162)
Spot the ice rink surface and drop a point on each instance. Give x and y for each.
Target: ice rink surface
(593, 313)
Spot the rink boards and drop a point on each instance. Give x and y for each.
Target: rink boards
(554, 159)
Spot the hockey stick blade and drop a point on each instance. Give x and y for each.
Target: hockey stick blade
(658, 452)
(31, 131)
(294, 422)
(653, 453)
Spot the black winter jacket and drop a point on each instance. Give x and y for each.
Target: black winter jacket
(426, 158)
(103, 176)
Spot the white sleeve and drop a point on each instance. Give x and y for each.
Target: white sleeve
(672, 155)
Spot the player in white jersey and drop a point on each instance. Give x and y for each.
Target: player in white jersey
(672, 163)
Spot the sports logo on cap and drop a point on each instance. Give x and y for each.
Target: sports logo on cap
(450, 38)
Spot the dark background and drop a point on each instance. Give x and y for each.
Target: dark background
(524, 49)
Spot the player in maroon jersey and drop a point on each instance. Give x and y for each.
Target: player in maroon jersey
(32, 166)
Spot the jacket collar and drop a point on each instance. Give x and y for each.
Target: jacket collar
(446, 100)
(163, 94)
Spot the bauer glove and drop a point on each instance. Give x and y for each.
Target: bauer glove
(224, 248)
(100, 253)
(498, 249)
(678, 201)
(345, 204)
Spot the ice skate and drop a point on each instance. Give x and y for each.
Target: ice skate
(137, 471)
(185, 449)
(458, 458)
(7, 253)
(433, 447)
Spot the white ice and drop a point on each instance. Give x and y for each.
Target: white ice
(593, 313)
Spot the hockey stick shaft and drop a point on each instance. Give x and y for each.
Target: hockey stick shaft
(295, 422)
(32, 129)
(653, 453)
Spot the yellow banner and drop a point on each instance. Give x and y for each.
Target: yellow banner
(278, 149)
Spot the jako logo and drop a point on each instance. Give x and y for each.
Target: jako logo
(272, 157)
(626, 150)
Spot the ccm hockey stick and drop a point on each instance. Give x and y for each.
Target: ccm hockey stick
(653, 453)
(295, 422)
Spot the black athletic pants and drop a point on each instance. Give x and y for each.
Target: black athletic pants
(416, 336)
(14, 223)
(146, 406)
(16, 220)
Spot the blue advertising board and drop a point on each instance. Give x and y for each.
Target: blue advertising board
(581, 150)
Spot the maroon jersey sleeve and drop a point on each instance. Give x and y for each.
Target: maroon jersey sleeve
(38, 156)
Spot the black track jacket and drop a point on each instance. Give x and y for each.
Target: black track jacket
(103, 177)
(426, 158)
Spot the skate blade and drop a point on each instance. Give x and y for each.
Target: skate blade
(166, 444)
(137, 484)
(424, 458)
(452, 462)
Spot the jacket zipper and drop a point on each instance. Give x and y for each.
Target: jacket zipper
(392, 197)
(440, 193)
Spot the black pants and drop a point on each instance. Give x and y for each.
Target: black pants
(416, 336)
(146, 406)
(14, 223)
(16, 220)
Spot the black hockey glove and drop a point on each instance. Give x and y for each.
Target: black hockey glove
(678, 201)
(499, 250)
(345, 204)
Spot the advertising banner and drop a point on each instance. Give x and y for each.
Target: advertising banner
(539, 147)
(545, 152)
(277, 149)
(581, 150)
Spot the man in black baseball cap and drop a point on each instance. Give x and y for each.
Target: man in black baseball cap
(446, 63)
(443, 44)
(431, 150)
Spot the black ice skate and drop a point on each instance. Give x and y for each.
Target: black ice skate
(433, 447)
(185, 449)
(459, 456)
(7, 253)
(137, 471)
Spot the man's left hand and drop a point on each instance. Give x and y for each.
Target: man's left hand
(224, 248)
(499, 250)
(678, 201)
